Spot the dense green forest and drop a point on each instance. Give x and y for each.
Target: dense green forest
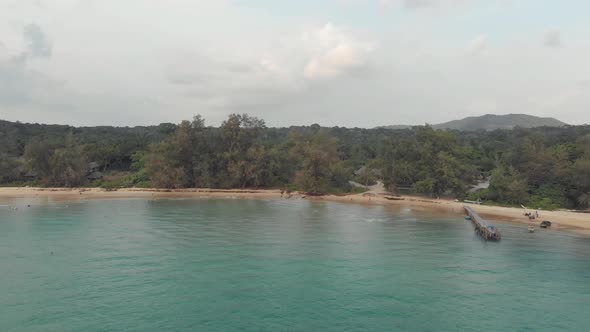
(542, 167)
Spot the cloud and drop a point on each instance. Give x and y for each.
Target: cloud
(387, 3)
(161, 61)
(552, 39)
(38, 44)
(409, 4)
(14, 80)
(335, 53)
(18, 82)
(478, 44)
(443, 6)
(413, 4)
(282, 71)
(334, 62)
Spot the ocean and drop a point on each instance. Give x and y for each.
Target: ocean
(280, 265)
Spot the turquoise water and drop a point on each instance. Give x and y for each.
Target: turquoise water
(290, 265)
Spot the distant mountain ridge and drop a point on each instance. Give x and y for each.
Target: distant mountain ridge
(493, 122)
(508, 121)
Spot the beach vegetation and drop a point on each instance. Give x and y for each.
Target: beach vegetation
(546, 167)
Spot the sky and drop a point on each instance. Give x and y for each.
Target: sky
(352, 63)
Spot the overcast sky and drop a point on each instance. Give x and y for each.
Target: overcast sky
(360, 63)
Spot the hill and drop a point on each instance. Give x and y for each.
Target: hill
(492, 122)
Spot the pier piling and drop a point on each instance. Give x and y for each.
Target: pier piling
(484, 229)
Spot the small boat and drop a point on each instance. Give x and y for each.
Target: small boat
(545, 224)
(531, 229)
(467, 217)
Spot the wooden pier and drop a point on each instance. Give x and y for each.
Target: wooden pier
(484, 229)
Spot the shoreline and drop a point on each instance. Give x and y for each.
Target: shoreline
(562, 220)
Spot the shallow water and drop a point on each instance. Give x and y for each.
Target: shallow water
(280, 265)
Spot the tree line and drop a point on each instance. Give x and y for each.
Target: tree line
(541, 167)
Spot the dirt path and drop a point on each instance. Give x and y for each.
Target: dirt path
(376, 189)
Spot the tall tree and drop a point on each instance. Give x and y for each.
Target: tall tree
(68, 164)
(163, 170)
(320, 163)
(9, 168)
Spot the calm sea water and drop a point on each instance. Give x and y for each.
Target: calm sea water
(253, 265)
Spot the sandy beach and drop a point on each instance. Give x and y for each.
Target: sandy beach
(562, 220)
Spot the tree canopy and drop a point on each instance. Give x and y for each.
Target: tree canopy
(542, 167)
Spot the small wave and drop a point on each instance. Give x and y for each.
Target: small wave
(407, 219)
(376, 220)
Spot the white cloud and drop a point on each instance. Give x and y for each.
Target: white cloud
(20, 83)
(552, 38)
(420, 3)
(387, 3)
(334, 52)
(143, 62)
(478, 44)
